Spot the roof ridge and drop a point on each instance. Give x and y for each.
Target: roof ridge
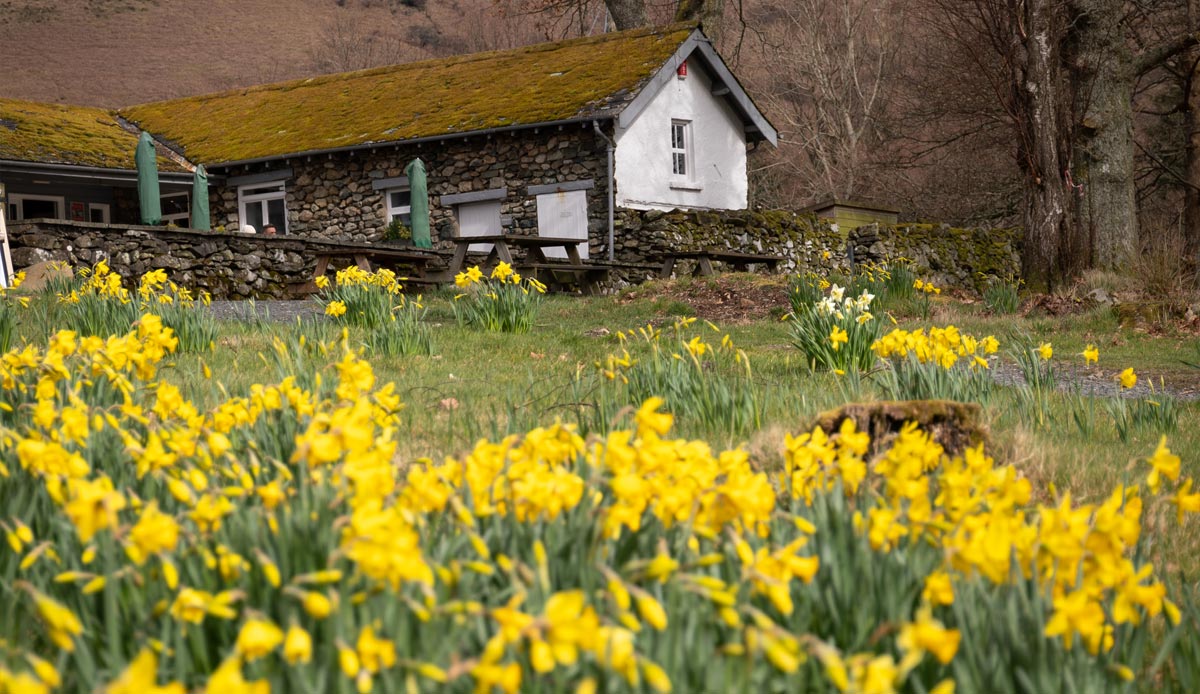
(460, 59)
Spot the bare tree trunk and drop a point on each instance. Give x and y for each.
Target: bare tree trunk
(1047, 215)
(707, 12)
(1191, 204)
(627, 14)
(1103, 156)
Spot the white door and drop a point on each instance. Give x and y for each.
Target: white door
(479, 219)
(563, 215)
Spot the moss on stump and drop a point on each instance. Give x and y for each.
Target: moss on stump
(954, 425)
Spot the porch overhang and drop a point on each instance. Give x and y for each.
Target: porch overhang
(29, 169)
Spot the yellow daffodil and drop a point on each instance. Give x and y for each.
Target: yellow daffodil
(335, 309)
(257, 638)
(297, 646)
(1163, 464)
(838, 337)
(141, 677)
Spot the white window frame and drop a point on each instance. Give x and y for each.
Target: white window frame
(105, 212)
(685, 149)
(391, 212)
(15, 200)
(245, 199)
(185, 217)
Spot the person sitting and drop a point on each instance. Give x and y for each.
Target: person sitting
(269, 229)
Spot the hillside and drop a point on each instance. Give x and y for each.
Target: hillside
(121, 52)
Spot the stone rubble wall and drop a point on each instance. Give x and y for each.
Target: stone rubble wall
(799, 238)
(948, 256)
(228, 266)
(237, 266)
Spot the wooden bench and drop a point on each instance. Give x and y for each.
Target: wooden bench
(372, 258)
(501, 251)
(563, 275)
(741, 262)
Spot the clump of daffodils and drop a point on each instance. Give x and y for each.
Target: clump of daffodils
(698, 376)
(835, 331)
(941, 363)
(942, 346)
(365, 299)
(9, 304)
(503, 302)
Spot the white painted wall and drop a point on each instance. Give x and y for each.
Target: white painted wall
(643, 153)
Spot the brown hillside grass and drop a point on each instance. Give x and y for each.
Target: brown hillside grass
(115, 53)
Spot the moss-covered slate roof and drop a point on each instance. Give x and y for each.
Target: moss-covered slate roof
(579, 78)
(60, 134)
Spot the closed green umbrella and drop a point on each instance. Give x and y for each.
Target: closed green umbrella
(147, 175)
(419, 194)
(200, 218)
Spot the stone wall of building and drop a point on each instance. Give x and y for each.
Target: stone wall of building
(332, 197)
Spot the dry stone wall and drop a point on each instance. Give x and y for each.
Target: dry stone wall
(234, 266)
(949, 256)
(229, 266)
(803, 241)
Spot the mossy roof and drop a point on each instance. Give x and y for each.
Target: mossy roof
(61, 134)
(579, 78)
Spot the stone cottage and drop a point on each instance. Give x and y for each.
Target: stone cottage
(549, 139)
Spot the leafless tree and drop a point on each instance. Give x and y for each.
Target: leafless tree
(352, 44)
(823, 76)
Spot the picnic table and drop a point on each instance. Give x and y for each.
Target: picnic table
(704, 257)
(551, 272)
(368, 258)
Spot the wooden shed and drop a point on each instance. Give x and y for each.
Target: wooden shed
(851, 214)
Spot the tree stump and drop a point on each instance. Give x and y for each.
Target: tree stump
(954, 425)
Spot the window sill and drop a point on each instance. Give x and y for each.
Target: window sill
(686, 185)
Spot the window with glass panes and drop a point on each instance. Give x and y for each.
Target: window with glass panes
(176, 208)
(399, 205)
(680, 144)
(263, 203)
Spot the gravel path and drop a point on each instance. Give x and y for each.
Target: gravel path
(268, 309)
(1092, 383)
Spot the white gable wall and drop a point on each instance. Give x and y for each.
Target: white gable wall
(643, 166)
